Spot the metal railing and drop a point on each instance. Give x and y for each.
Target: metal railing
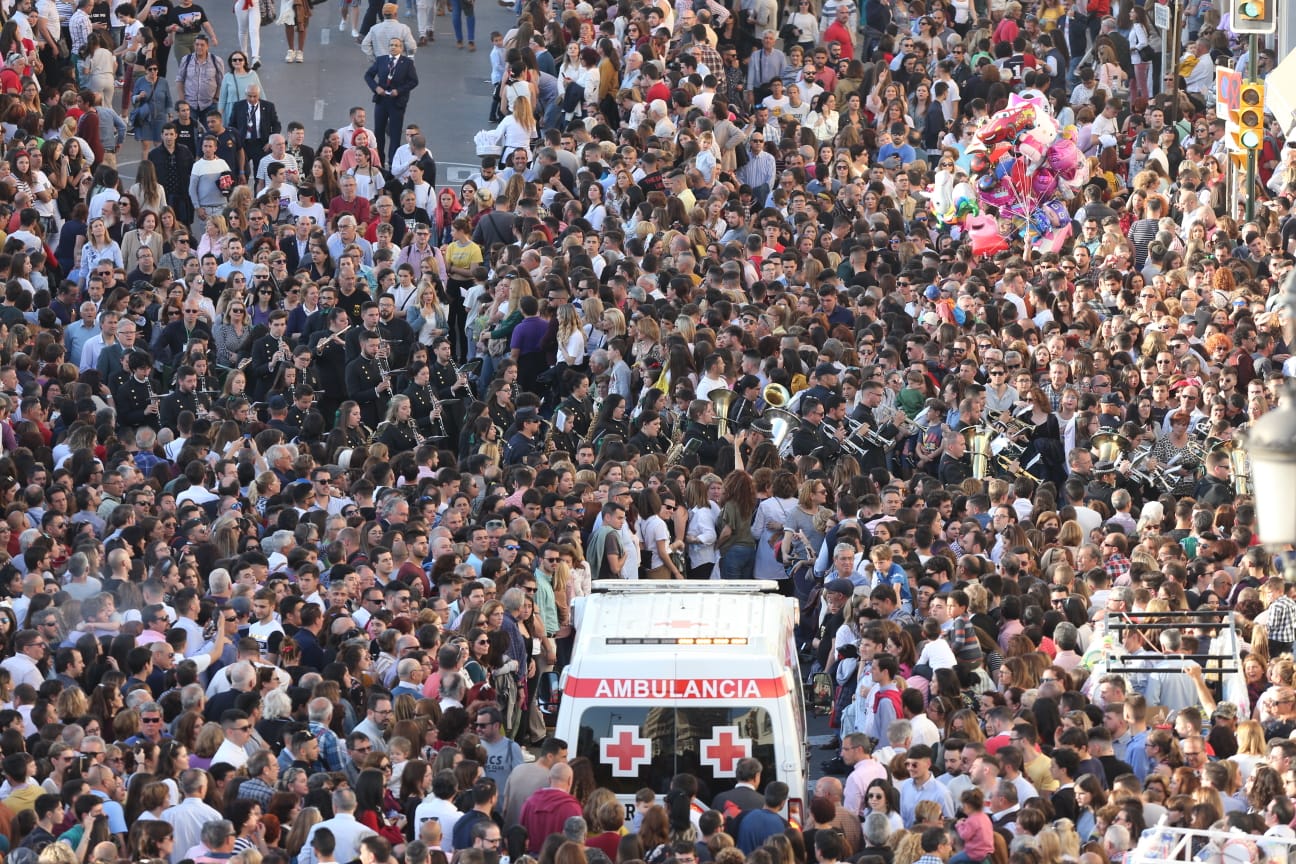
(1223, 626)
(1162, 844)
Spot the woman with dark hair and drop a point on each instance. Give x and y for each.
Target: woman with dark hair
(370, 788)
(734, 538)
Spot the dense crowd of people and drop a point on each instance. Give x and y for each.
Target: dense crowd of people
(308, 461)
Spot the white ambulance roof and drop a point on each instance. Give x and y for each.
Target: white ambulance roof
(668, 611)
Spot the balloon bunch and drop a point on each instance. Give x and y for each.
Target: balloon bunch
(1023, 167)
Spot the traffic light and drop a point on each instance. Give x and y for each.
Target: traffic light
(1249, 116)
(1254, 16)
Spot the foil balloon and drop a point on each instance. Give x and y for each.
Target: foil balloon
(1007, 125)
(1065, 159)
(941, 194)
(1044, 182)
(1057, 213)
(1053, 240)
(984, 231)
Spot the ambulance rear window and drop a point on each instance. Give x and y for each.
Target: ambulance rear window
(634, 747)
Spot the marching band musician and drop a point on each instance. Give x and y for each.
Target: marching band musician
(701, 427)
(611, 421)
(499, 404)
(743, 411)
(955, 466)
(348, 433)
(134, 400)
(278, 408)
(813, 433)
(421, 398)
(303, 398)
(183, 398)
(649, 439)
(572, 420)
(395, 332)
(269, 354)
(368, 321)
(330, 358)
(525, 442)
(398, 430)
(365, 382)
(446, 379)
(870, 397)
(307, 374)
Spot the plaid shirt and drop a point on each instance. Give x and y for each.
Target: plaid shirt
(1118, 569)
(256, 790)
(1282, 620)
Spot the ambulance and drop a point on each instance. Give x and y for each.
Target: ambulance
(685, 677)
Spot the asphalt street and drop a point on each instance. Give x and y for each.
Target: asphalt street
(451, 102)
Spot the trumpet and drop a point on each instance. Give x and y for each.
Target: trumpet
(1012, 427)
(868, 436)
(1005, 464)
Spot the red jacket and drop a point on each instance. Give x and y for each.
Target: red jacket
(544, 813)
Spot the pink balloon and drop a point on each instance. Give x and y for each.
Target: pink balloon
(1044, 184)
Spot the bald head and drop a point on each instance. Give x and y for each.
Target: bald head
(830, 789)
(560, 776)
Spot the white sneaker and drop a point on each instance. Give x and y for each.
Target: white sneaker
(290, 56)
(300, 57)
(355, 34)
(342, 26)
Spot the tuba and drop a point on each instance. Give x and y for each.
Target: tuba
(978, 440)
(1239, 465)
(782, 426)
(776, 396)
(723, 401)
(1109, 446)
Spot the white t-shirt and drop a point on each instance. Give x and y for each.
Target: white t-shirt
(651, 530)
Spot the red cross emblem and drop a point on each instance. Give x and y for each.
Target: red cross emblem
(626, 751)
(723, 749)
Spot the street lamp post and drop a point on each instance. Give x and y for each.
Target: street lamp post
(1271, 445)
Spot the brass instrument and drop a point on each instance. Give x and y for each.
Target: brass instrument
(868, 436)
(1110, 446)
(677, 442)
(776, 396)
(783, 424)
(367, 435)
(978, 440)
(722, 400)
(1005, 464)
(1011, 427)
(1239, 464)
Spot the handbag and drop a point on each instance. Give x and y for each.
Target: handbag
(1147, 54)
(142, 113)
(268, 12)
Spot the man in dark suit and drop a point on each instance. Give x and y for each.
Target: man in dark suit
(745, 795)
(330, 358)
(255, 120)
(296, 248)
(391, 79)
